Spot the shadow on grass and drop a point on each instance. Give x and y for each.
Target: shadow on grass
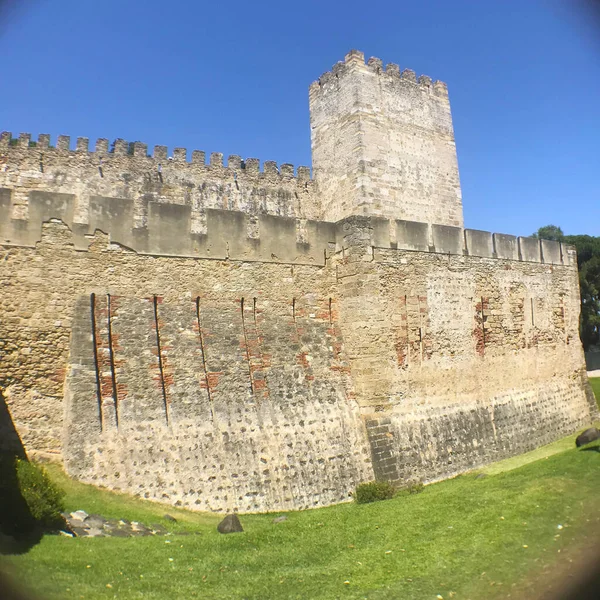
(18, 529)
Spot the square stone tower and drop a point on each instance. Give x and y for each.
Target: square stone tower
(383, 144)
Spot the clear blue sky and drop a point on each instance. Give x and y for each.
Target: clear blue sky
(232, 77)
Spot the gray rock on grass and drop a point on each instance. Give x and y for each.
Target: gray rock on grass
(589, 435)
(230, 524)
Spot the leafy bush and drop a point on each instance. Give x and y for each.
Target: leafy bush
(374, 491)
(43, 498)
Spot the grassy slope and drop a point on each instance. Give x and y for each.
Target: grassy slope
(464, 535)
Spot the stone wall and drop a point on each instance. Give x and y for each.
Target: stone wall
(410, 352)
(85, 179)
(214, 384)
(460, 359)
(383, 144)
(220, 404)
(226, 234)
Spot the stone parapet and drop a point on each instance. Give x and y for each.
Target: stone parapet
(391, 73)
(104, 151)
(224, 234)
(169, 230)
(374, 232)
(126, 170)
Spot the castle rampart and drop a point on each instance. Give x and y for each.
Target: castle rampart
(127, 171)
(263, 237)
(328, 359)
(228, 339)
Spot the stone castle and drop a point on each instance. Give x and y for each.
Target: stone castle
(227, 338)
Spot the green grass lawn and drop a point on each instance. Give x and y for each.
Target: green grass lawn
(468, 537)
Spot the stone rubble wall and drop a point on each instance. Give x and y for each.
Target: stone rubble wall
(411, 352)
(460, 360)
(234, 405)
(216, 385)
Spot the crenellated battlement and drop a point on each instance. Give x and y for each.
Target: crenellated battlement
(126, 170)
(103, 150)
(373, 234)
(391, 73)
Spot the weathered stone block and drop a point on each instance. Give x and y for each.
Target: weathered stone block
(529, 249)
(448, 240)
(479, 243)
(506, 246)
(411, 235)
(551, 252)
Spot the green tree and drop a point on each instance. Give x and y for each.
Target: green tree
(549, 232)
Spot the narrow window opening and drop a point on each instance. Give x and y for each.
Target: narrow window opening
(294, 308)
(203, 352)
(111, 356)
(96, 366)
(246, 345)
(532, 315)
(160, 361)
(330, 312)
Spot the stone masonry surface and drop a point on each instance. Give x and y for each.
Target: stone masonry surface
(227, 339)
(383, 144)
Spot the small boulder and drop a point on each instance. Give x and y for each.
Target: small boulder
(79, 515)
(280, 519)
(170, 518)
(230, 524)
(589, 435)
